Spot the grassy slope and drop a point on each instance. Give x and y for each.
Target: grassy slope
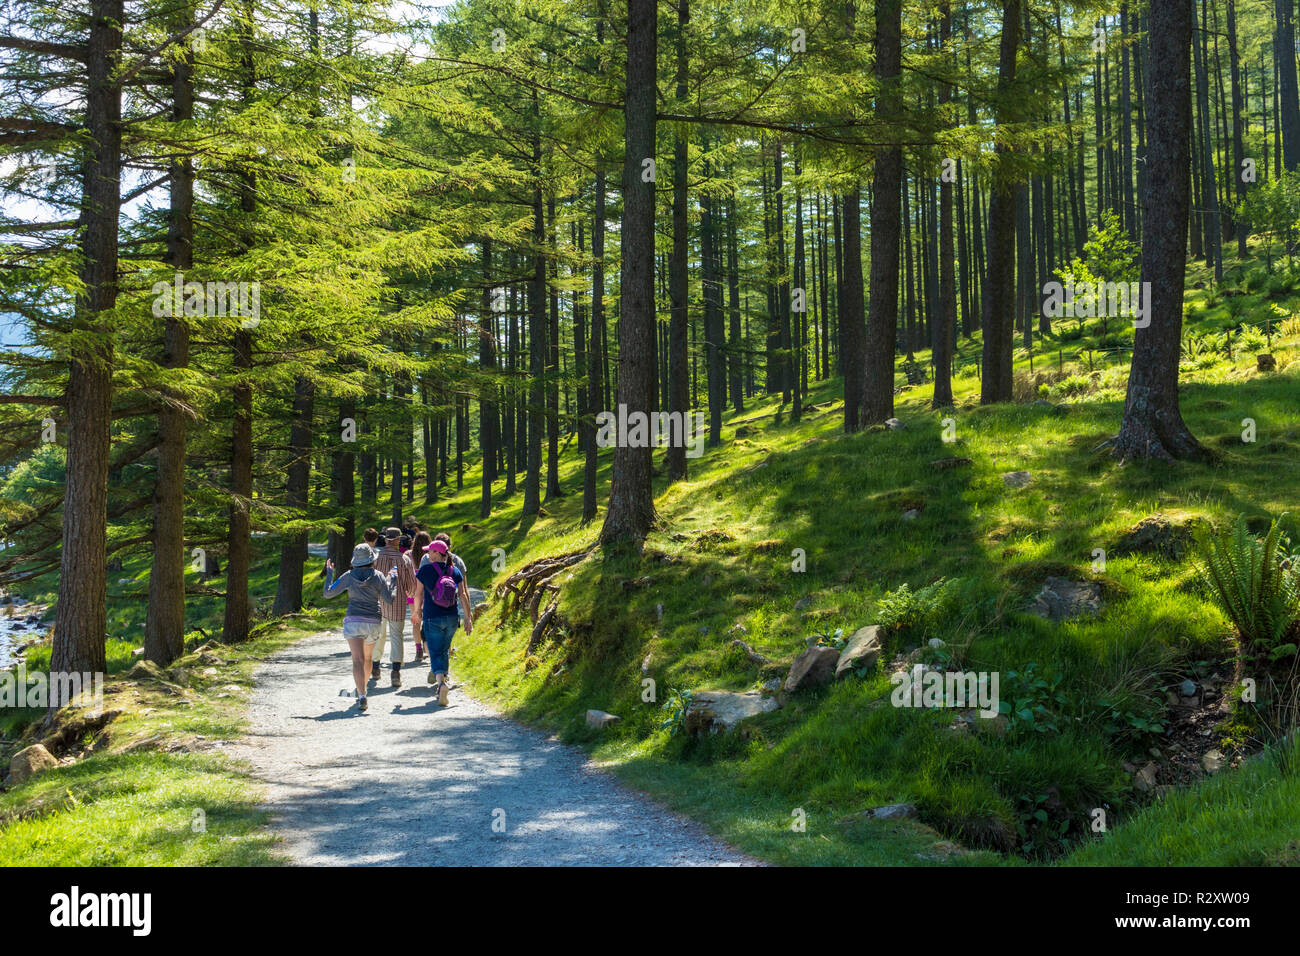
(840, 499)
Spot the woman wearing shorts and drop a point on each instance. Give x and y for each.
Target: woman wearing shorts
(364, 622)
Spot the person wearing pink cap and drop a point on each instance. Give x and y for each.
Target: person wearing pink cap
(444, 588)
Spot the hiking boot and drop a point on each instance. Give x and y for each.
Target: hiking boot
(432, 679)
(397, 678)
(362, 703)
(419, 653)
(442, 693)
(374, 671)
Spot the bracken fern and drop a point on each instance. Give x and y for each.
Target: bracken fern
(1253, 581)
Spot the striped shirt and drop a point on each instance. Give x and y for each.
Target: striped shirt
(386, 559)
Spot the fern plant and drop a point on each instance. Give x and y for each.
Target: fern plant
(1254, 582)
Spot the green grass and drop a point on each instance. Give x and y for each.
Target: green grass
(154, 790)
(1247, 818)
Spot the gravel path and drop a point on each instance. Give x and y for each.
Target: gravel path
(411, 783)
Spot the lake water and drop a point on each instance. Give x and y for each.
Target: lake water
(16, 631)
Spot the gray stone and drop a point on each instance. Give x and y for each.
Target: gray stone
(911, 514)
(893, 811)
(1062, 598)
(599, 720)
(718, 711)
(30, 762)
(815, 667)
(862, 651)
(894, 425)
(1213, 761)
(1145, 779)
(1187, 688)
(1158, 534)
(1017, 479)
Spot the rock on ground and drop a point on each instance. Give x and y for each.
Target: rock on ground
(1062, 598)
(412, 783)
(815, 667)
(862, 650)
(29, 762)
(713, 711)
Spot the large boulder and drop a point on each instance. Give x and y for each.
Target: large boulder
(29, 762)
(815, 667)
(599, 719)
(1062, 598)
(714, 711)
(862, 650)
(1017, 479)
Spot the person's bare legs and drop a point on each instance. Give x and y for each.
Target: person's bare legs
(360, 663)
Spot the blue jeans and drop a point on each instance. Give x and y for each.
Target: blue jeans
(438, 632)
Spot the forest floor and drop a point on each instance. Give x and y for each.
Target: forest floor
(411, 783)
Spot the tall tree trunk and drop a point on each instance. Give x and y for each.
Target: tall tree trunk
(344, 488)
(713, 329)
(1209, 188)
(1287, 94)
(164, 629)
(735, 344)
(536, 334)
(80, 620)
(882, 318)
(293, 550)
(946, 319)
(1153, 426)
(852, 320)
(487, 360)
(237, 622)
(678, 359)
(595, 362)
(631, 512)
(1238, 113)
(553, 489)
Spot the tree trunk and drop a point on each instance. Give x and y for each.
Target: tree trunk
(1153, 426)
(631, 512)
(999, 286)
(80, 621)
(882, 319)
(1287, 93)
(678, 279)
(536, 336)
(595, 361)
(946, 319)
(164, 629)
(293, 550)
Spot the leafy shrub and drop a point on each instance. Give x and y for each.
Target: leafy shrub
(1253, 581)
(678, 702)
(910, 613)
(1132, 719)
(1030, 701)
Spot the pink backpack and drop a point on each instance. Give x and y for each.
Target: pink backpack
(444, 590)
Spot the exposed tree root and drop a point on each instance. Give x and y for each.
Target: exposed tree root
(527, 587)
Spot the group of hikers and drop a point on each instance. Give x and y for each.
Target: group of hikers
(398, 574)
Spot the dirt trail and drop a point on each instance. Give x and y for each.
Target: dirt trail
(411, 783)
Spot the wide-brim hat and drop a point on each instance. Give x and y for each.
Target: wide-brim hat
(362, 556)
